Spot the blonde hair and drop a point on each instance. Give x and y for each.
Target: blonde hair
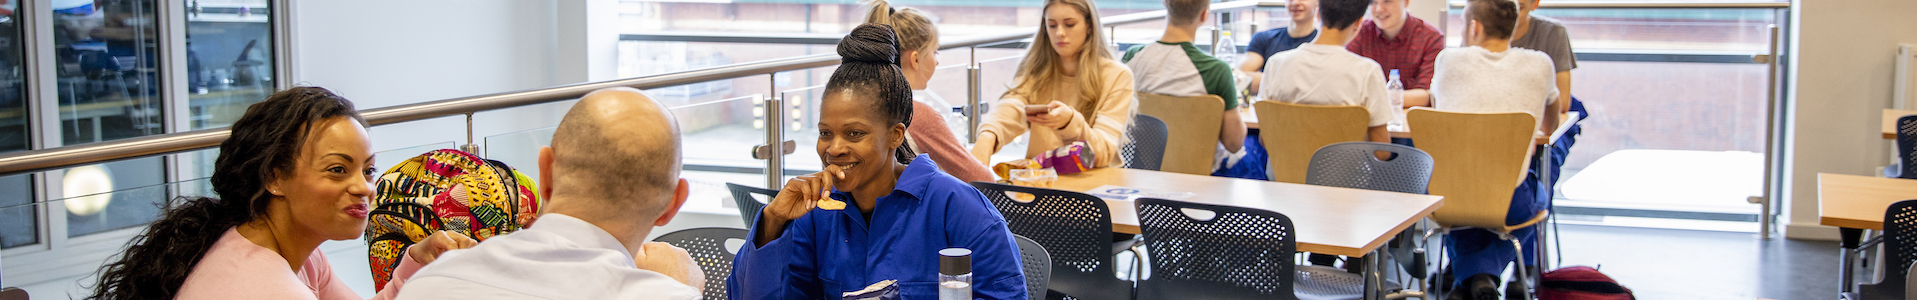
(913, 26)
(1040, 67)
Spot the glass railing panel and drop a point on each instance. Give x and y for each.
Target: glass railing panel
(519, 150)
(19, 225)
(803, 111)
(112, 195)
(997, 76)
(385, 160)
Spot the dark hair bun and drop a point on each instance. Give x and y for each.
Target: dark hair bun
(870, 43)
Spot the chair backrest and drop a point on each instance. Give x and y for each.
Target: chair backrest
(1038, 265)
(1193, 124)
(1074, 228)
(1147, 147)
(708, 248)
(1479, 159)
(1353, 165)
(1292, 132)
(1236, 253)
(1907, 145)
(750, 205)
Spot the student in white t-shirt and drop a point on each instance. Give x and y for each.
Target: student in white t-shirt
(1324, 73)
(1489, 75)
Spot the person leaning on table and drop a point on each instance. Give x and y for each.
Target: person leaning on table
(1086, 93)
(296, 171)
(890, 211)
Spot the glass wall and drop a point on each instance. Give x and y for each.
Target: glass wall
(1678, 111)
(108, 68)
(229, 59)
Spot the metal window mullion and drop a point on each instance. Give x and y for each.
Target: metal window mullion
(176, 107)
(43, 114)
(284, 44)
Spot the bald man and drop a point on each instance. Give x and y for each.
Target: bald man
(610, 176)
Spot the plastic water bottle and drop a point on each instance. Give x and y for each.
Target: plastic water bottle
(955, 274)
(1227, 49)
(1394, 90)
(956, 122)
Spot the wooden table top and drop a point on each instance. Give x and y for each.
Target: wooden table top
(1251, 122)
(1329, 220)
(1852, 201)
(1890, 121)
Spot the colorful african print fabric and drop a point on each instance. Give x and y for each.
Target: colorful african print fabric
(444, 190)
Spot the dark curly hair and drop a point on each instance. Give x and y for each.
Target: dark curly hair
(869, 65)
(264, 145)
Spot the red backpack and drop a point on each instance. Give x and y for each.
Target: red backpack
(1581, 283)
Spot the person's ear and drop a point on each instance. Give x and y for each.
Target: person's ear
(545, 173)
(1204, 17)
(1473, 33)
(898, 135)
(679, 195)
(909, 59)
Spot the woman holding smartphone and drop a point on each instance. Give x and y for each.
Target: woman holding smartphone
(1069, 89)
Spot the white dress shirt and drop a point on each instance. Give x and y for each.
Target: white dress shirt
(559, 257)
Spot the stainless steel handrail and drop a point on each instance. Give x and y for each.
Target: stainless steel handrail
(63, 157)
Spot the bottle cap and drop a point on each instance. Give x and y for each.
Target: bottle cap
(955, 261)
(1394, 72)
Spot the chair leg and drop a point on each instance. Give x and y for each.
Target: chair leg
(1524, 275)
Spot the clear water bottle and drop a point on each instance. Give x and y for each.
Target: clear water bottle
(1227, 48)
(956, 122)
(955, 274)
(1394, 90)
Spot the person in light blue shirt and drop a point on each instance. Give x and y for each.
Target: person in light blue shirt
(889, 210)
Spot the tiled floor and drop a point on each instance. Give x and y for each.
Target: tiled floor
(1688, 264)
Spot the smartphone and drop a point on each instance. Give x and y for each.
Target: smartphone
(1037, 109)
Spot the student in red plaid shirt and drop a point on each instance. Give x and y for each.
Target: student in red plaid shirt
(1398, 41)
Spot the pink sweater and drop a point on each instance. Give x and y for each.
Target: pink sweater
(930, 135)
(235, 268)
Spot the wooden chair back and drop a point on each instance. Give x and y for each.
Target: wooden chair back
(1193, 124)
(1479, 159)
(1293, 132)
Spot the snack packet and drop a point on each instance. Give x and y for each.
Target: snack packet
(1070, 159)
(882, 290)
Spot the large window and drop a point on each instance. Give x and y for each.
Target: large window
(229, 59)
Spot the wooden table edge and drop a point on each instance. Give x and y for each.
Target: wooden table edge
(1849, 223)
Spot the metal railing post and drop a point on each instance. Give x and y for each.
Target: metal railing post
(974, 80)
(774, 136)
(471, 146)
(1764, 216)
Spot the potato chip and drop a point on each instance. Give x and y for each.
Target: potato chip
(829, 204)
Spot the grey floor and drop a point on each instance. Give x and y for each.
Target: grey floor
(1689, 264)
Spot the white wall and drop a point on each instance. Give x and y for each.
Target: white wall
(386, 53)
(1843, 70)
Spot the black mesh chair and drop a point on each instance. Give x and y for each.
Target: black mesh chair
(1353, 165)
(1146, 151)
(1074, 228)
(1038, 266)
(749, 205)
(1236, 253)
(1900, 249)
(1907, 146)
(708, 248)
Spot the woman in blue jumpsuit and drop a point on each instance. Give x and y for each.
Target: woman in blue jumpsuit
(897, 211)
